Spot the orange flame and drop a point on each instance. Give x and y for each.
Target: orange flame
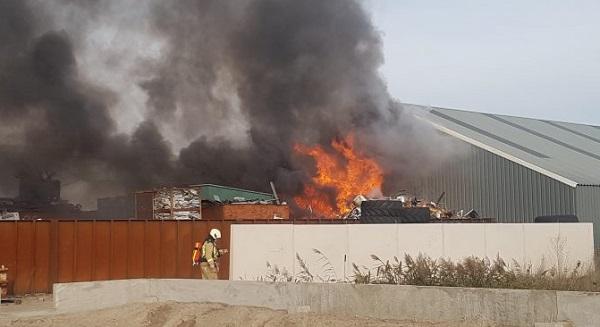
(346, 172)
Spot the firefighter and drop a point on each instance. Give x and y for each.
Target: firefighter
(208, 255)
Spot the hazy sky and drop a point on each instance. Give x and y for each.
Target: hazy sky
(528, 58)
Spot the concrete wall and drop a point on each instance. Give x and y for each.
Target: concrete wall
(252, 246)
(451, 306)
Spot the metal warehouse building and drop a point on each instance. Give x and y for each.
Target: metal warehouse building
(516, 169)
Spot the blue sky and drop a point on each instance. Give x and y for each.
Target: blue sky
(527, 58)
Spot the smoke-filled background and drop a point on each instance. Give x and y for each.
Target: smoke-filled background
(115, 96)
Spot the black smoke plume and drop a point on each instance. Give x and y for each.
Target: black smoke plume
(227, 90)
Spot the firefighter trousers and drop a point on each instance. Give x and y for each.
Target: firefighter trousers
(207, 271)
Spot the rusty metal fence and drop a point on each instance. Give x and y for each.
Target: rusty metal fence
(41, 253)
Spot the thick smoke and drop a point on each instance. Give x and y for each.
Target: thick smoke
(55, 121)
(51, 117)
(212, 91)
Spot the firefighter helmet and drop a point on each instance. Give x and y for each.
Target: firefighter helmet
(215, 233)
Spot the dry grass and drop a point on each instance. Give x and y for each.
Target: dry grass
(277, 274)
(469, 272)
(477, 272)
(329, 274)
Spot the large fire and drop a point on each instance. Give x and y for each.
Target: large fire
(345, 171)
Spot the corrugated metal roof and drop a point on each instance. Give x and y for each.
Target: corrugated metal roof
(564, 151)
(214, 192)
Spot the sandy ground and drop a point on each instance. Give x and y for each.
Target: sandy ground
(38, 312)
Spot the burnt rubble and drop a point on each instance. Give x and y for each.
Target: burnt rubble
(403, 208)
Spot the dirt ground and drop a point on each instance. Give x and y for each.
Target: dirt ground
(37, 313)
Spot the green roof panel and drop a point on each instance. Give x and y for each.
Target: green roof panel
(211, 192)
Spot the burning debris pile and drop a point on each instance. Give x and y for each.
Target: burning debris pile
(345, 171)
(404, 209)
(340, 174)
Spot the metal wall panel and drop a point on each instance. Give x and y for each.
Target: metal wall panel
(118, 249)
(84, 246)
(496, 188)
(151, 250)
(42, 257)
(169, 249)
(25, 257)
(66, 252)
(135, 248)
(102, 250)
(587, 199)
(40, 253)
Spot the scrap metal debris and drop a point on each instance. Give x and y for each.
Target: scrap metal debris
(404, 208)
(177, 203)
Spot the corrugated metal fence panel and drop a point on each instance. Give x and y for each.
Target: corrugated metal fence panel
(152, 252)
(24, 250)
(66, 251)
(118, 250)
(101, 250)
(184, 238)
(40, 253)
(42, 257)
(135, 248)
(496, 188)
(84, 245)
(25, 257)
(588, 208)
(8, 252)
(169, 248)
